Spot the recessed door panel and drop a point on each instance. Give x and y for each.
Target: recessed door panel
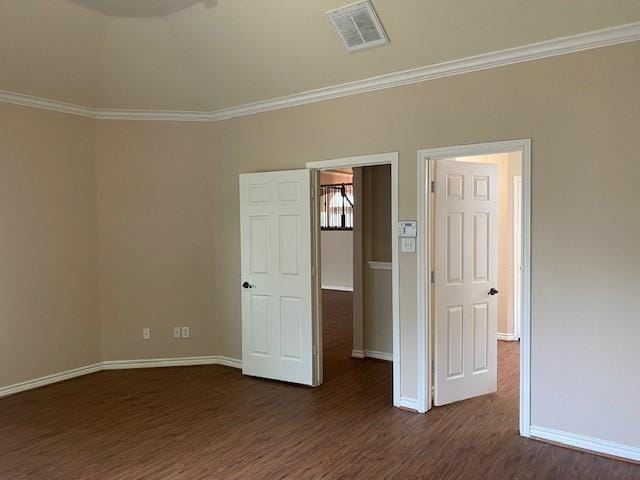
(290, 319)
(480, 247)
(289, 244)
(455, 187)
(260, 328)
(455, 248)
(258, 194)
(481, 187)
(480, 337)
(288, 192)
(259, 243)
(455, 340)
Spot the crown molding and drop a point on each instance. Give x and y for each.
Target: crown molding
(157, 115)
(46, 104)
(549, 48)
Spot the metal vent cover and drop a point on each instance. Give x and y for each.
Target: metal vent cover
(358, 26)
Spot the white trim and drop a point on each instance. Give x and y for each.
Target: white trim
(535, 51)
(517, 254)
(586, 443)
(357, 161)
(507, 337)
(425, 382)
(155, 115)
(379, 265)
(117, 365)
(49, 379)
(46, 104)
(409, 404)
(364, 161)
(423, 328)
(338, 288)
(229, 362)
(171, 362)
(388, 357)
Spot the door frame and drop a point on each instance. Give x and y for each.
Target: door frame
(425, 158)
(390, 158)
(517, 253)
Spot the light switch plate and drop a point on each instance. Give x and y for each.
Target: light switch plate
(176, 332)
(407, 228)
(185, 332)
(408, 245)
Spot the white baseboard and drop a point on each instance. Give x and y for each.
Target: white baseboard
(171, 362)
(229, 362)
(119, 365)
(372, 354)
(49, 379)
(408, 403)
(338, 288)
(507, 337)
(586, 443)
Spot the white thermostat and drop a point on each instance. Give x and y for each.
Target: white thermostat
(407, 229)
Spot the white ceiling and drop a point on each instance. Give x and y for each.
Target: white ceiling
(211, 54)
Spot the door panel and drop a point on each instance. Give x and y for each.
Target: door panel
(259, 318)
(466, 270)
(275, 223)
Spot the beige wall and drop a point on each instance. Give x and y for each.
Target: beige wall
(337, 259)
(377, 295)
(509, 165)
(169, 229)
(48, 275)
(163, 236)
(337, 246)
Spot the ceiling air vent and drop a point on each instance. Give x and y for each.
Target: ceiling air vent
(358, 26)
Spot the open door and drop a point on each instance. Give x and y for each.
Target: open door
(275, 224)
(465, 280)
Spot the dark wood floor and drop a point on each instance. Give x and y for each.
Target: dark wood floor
(209, 422)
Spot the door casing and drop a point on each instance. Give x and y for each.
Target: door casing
(425, 157)
(517, 254)
(390, 158)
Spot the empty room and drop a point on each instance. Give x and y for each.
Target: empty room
(260, 239)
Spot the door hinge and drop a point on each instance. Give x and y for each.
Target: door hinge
(433, 186)
(315, 350)
(313, 270)
(433, 276)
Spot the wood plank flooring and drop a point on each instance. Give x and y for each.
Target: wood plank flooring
(210, 422)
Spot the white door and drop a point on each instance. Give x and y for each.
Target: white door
(275, 224)
(465, 280)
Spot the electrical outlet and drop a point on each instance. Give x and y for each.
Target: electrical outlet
(146, 333)
(176, 332)
(185, 332)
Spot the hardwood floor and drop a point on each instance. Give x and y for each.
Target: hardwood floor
(209, 422)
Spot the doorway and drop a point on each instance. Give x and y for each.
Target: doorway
(358, 346)
(355, 270)
(473, 288)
